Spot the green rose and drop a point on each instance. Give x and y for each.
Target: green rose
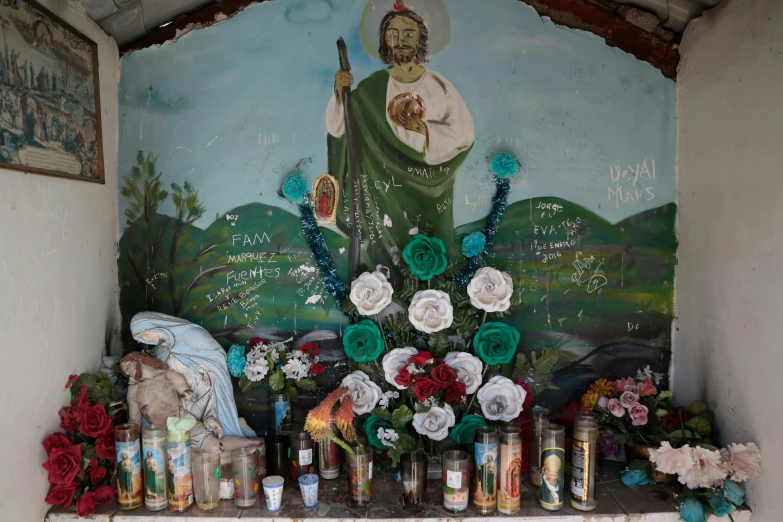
(371, 426)
(465, 431)
(496, 343)
(426, 256)
(362, 342)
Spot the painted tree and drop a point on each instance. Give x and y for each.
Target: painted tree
(188, 209)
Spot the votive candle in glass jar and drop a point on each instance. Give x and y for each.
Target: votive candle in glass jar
(510, 475)
(282, 407)
(583, 466)
(456, 481)
(329, 457)
(180, 472)
(541, 418)
(153, 450)
(244, 466)
(486, 470)
(302, 461)
(413, 474)
(128, 452)
(552, 489)
(358, 469)
(206, 479)
(584, 417)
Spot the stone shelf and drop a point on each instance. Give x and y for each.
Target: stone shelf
(616, 503)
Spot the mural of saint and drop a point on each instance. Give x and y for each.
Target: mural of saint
(325, 194)
(413, 131)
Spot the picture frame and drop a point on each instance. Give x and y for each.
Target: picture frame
(50, 108)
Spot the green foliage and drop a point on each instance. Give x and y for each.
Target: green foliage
(465, 322)
(382, 413)
(290, 392)
(521, 367)
(459, 297)
(307, 384)
(277, 380)
(186, 204)
(439, 345)
(404, 444)
(142, 189)
(410, 286)
(98, 386)
(545, 360)
(348, 307)
(401, 416)
(397, 324)
(246, 384)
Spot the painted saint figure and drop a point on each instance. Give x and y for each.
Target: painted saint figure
(170, 476)
(550, 480)
(125, 476)
(487, 474)
(413, 131)
(151, 467)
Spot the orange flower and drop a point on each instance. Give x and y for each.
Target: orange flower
(603, 387)
(317, 421)
(343, 418)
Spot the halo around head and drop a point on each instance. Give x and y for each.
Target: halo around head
(434, 12)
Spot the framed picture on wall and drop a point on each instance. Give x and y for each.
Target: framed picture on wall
(50, 110)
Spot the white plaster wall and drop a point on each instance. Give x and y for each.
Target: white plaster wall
(58, 285)
(729, 278)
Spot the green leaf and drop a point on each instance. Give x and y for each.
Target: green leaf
(401, 416)
(307, 384)
(459, 297)
(546, 361)
(698, 408)
(246, 384)
(395, 454)
(410, 286)
(700, 425)
(638, 464)
(380, 412)
(397, 323)
(521, 367)
(290, 392)
(678, 435)
(277, 381)
(505, 371)
(406, 443)
(439, 345)
(348, 307)
(465, 322)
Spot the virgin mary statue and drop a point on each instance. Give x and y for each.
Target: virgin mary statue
(189, 350)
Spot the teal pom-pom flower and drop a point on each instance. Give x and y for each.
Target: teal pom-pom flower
(473, 244)
(504, 165)
(236, 360)
(295, 187)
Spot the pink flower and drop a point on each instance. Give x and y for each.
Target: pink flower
(639, 414)
(707, 470)
(743, 461)
(633, 389)
(602, 402)
(615, 408)
(647, 388)
(620, 385)
(628, 399)
(676, 461)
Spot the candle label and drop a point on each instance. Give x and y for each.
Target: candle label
(282, 413)
(552, 476)
(305, 457)
(509, 479)
(180, 475)
(154, 477)
(128, 473)
(580, 470)
(454, 479)
(485, 493)
(455, 492)
(328, 460)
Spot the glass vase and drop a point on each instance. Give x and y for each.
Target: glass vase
(206, 479)
(413, 470)
(358, 469)
(244, 466)
(456, 481)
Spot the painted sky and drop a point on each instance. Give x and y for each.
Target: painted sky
(234, 107)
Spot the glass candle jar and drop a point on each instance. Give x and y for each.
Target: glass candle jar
(486, 470)
(127, 450)
(583, 466)
(277, 461)
(456, 481)
(584, 417)
(413, 473)
(358, 469)
(541, 418)
(552, 467)
(282, 408)
(244, 466)
(302, 462)
(206, 480)
(153, 443)
(180, 474)
(328, 457)
(510, 476)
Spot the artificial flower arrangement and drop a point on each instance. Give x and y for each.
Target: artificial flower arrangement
(276, 366)
(81, 457)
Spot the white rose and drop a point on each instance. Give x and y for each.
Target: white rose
(490, 290)
(371, 293)
(501, 399)
(435, 423)
(364, 392)
(468, 368)
(394, 361)
(431, 311)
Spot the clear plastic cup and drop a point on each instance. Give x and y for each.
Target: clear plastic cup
(206, 480)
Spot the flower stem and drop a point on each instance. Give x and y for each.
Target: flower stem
(428, 284)
(342, 444)
(484, 319)
(383, 334)
(486, 367)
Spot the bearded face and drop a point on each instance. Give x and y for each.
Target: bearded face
(403, 39)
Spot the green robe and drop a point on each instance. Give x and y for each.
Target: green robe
(416, 188)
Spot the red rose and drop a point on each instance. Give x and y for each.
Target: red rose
(443, 374)
(421, 358)
(98, 474)
(528, 395)
(67, 420)
(424, 387)
(95, 422)
(455, 392)
(86, 504)
(317, 369)
(61, 494)
(71, 381)
(82, 398)
(403, 377)
(255, 341)
(104, 448)
(64, 464)
(56, 441)
(105, 494)
(310, 349)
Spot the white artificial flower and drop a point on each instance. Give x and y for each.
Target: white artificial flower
(708, 470)
(386, 397)
(371, 293)
(435, 423)
(743, 461)
(394, 361)
(296, 369)
(364, 392)
(413, 369)
(388, 437)
(257, 370)
(430, 311)
(296, 354)
(501, 399)
(468, 368)
(274, 355)
(490, 290)
(675, 461)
